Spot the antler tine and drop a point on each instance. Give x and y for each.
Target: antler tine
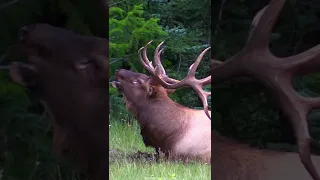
(204, 98)
(205, 81)
(195, 65)
(147, 64)
(145, 61)
(163, 73)
(266, 19)
(159, 68)
(145, 57)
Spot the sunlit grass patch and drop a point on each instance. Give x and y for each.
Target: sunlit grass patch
(158, 171)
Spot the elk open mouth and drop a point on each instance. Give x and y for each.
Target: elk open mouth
(117, 84)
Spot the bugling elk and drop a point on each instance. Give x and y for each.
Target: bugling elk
(184, 133)
(69, 73)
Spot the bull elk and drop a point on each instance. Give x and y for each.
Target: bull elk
(178, 131)
(69, 73)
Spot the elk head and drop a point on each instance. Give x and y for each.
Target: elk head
(60, 58)
(69, 73)
(137, 87)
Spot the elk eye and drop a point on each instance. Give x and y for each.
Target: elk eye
(135, 82)
(83, 63)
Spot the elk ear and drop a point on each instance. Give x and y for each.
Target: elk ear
(99, 56)
(151, 91)
(95, 66)
(101, 62)
(23, 74)
(149, 87)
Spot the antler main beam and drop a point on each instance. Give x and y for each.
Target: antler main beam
(256, 61)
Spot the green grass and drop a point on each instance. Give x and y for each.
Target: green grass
(130, 159)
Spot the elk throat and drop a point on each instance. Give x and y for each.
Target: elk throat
(163, 121)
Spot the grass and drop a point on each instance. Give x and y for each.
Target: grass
(130, 159)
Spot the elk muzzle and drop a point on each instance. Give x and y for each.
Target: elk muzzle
(127, 76)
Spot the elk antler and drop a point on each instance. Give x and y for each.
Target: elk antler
(160, 74)
(256, 60)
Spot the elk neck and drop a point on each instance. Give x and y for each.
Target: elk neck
(87, 109)
(83, 117)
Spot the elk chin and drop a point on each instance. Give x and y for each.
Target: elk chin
(127, 102)
(26, 75)
(23, 74)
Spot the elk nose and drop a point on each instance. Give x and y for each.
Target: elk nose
(23, 33)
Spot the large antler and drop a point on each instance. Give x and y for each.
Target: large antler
(256, 60)
(160, 74)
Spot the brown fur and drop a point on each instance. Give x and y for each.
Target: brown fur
(234, 161)
(69, 72)
(168, 125)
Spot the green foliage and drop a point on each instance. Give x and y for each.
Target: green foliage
(128, 31)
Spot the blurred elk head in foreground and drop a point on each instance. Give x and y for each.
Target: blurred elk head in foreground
(231, 160)
(178, 131)
(69, 73)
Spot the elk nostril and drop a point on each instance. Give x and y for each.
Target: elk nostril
(23, 33)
